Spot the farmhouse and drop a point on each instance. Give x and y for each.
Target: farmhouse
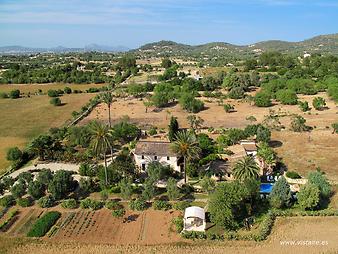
(149, 151)
(194, 219)
(249, 146)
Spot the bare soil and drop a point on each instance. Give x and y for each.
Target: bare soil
(289, 235)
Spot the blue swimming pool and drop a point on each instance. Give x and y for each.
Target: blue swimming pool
(266, 187)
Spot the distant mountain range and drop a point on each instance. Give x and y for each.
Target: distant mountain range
(60, 49)
(320, 44)
(324, 44)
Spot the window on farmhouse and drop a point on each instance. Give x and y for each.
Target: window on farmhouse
(155, 158)
(168, 158)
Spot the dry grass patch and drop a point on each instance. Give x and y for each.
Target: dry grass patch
(25, 118)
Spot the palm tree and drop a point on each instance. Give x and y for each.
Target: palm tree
(100, 141)
(107, 98)
(186, 146)
(245, 169)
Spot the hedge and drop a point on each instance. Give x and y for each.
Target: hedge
(161, 205)
(42, 225)
(11, 215)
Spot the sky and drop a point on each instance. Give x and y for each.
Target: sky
(132, 23)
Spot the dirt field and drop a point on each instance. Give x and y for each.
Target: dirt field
(289, 235)
(25, 118)
(149, 227)
(321, 144)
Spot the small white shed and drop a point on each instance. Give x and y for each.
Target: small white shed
(194, 219)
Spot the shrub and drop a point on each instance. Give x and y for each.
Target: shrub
(335, 127)
(161, 205)
(193, 235)
(304, 106)
(43, 224)
(190, 103)
(228, 108)
(119, 212)
(298, 124)
(138, 205)
(113, 205)
(10, 216)
(287, 97)
(47, 201)
(152, 131)
(36, 189)
(69, 204)
(178, 223)
(14, 94)
(293, 175)
(318, 103)
(53, 93)
(18, 189)
(86, 169)
(7, 201)
(308, 196)
(280, 195)
(67, 90)
(181, 206)
(91, 204)
(262, 99)
(56, 101)
(4, 95)
(24, 202)
(14, 154)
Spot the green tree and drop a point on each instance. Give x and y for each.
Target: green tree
(267, 156)
(308, 197)
(173, 128)
(14, 154)
(318, 178)
(107, 98)
(245, 169)
(287, 97)
(56, 101)
(36, 189)
(186, 146)
(298, 124)
(14, 94)
(166, 63)
(18, 189)
(263, 134)
(100, 141)
(126, 188)
(319, 103)
(207, 184)
(148, 189)
(173, 191)
(195, 122)
(45, 176)
(61, 184)
(226, 205)
(262, 99)
(280, 195)
(190, 103)
(304, 106)
(67, 90)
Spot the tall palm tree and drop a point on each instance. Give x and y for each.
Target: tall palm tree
(107, 98)
(100, 141)
(186, 146)
(245, 169)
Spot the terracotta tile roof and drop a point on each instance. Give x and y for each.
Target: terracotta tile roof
(154, 148)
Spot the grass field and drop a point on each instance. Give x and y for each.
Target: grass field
(25, 118)
(32, 88)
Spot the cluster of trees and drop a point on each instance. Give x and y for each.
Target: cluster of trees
(55, 185)
(69, 73)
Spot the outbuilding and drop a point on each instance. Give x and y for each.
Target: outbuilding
(194, 219)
